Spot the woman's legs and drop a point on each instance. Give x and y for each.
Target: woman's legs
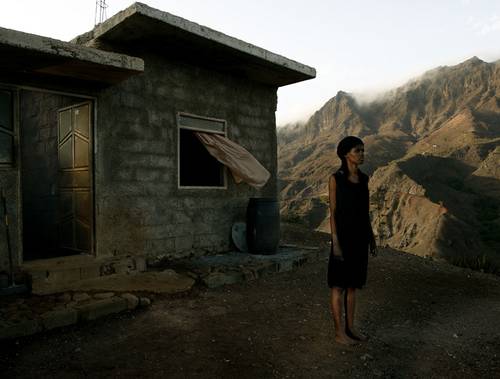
(340, 335)
(350, 310)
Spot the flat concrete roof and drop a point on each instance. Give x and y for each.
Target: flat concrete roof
(32, 59)
(142, 28)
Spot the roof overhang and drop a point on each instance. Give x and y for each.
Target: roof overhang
(141, 28)
(29, 59)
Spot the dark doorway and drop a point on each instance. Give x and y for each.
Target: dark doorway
(56, 144)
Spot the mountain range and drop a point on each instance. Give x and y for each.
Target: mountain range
(433, 156)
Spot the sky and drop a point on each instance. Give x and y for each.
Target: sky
(359, 46)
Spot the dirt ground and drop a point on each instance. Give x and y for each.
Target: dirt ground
(426, 319)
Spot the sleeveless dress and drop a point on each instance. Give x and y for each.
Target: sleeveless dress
(352, 220)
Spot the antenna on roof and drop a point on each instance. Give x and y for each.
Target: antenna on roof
(100, 11)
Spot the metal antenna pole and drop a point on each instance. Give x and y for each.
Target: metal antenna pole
(100, 11)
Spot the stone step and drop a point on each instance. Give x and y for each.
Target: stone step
(53, 275)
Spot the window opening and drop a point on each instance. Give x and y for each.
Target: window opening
(197, 168)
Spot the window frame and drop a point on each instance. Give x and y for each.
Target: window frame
(185, 127)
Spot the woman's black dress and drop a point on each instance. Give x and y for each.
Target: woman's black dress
(352, 220)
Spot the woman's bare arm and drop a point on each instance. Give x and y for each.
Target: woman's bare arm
(371, 236)
(332, 186)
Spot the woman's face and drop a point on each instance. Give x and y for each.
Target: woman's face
(356, 155)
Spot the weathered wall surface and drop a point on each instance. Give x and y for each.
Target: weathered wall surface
(140, 210)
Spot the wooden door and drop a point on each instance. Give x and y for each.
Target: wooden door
(75, 213)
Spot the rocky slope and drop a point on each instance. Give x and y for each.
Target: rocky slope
(433, 153)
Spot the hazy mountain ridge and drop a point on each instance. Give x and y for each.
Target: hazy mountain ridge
(438, 134)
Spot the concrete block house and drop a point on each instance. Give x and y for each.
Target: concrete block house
(99, 166)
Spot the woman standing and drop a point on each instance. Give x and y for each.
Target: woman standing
(352, 237)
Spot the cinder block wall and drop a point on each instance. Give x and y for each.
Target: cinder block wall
(140, 210)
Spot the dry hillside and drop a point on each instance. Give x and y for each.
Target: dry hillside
(433, 153)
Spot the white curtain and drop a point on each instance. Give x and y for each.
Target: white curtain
(242, 164)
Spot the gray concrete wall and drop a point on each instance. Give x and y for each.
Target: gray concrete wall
(140, 210)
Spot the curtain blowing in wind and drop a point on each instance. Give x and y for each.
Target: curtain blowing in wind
(242, 164)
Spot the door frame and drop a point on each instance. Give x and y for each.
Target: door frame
(93, 146)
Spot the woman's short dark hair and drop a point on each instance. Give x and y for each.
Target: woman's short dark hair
(343, 147)
(346, 144)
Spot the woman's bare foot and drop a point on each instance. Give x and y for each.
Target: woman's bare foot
(343, 339)
(355, 335)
